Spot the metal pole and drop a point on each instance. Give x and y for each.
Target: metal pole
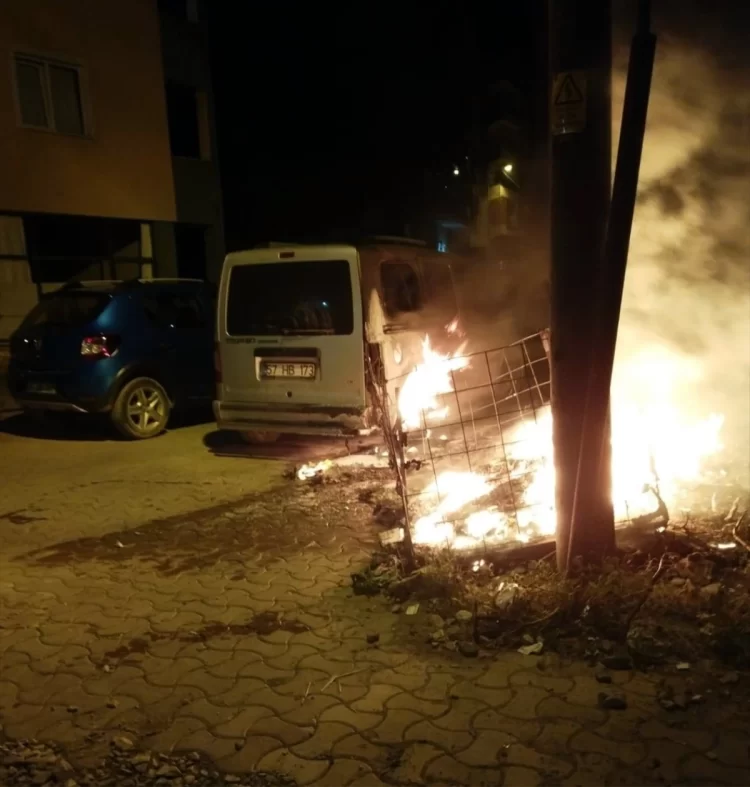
(595, 451)
(580, 120)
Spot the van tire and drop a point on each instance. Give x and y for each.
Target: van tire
(259, 438)
(141, 409)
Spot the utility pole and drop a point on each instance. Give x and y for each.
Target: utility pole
(581, 150)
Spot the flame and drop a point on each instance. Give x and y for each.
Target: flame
(311, 470)
(430, 379)
(654, 442)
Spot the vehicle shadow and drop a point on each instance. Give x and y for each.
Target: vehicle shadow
(70, 427)
(288, 448)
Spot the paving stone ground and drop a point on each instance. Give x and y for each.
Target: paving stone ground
(196, 603)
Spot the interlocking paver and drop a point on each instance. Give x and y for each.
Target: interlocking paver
(155, 640)
(413, 761)
(427, 708)
(392, 728)
(246, 719)
(345, 772)
(358, 720)
(360, 748)
(521, 729)
(301, 770)
(447, 770)
(254, 748)
(524, 703)
(445, 739)
(460, 715)
(629, 753)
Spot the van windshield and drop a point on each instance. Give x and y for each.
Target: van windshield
(312, 298)
(66, 309)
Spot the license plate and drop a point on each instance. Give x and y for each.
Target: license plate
(302, 371)
(40, 388)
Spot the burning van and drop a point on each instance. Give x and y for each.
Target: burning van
(303, 332)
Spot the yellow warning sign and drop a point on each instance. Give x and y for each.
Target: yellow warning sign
(568, 110)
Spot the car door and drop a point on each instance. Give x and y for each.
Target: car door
(184, 339)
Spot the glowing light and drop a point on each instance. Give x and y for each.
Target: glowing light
(654, 443)
(456, 171)
(508, 168)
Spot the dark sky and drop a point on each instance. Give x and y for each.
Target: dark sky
(329, 119)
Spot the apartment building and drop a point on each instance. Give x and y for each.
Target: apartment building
(108, 165)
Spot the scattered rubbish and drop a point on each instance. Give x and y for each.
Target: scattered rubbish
(468, 649)
(612, 701)
(730, 678)
(436, 636)
(396, 609)
(464, 616)
(122, 743)
(393, 536)
(602, 674)
(532, 650)
(683, 665)
(412, 609)
(507, 594)
(712, 755)
(119, 545)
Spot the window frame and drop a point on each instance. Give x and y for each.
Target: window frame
(417, 278)
(44, 62)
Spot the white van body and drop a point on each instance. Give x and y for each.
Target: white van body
(301, 330)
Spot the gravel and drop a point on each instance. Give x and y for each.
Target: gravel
(29, 762)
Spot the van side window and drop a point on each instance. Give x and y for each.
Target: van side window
(401, 292)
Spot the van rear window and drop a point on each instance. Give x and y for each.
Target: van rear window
(312, 298)
(67, 309)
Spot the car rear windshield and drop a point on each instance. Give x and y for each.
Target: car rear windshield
(311, 298)
(67, 310)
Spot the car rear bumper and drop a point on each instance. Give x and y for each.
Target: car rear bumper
(58, 393)
(304, 420)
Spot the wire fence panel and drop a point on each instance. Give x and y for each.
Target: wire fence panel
(474, 436)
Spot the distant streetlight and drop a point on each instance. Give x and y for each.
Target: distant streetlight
(508, 168)
(456, 171)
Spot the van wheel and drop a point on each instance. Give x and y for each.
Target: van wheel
(259, 438)
(141, 409)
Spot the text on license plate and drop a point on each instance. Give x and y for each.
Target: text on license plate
(300, 370)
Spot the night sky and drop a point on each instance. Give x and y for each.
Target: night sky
(330, 120)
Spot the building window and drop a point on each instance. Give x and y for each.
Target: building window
(49, 95)
(182, 115)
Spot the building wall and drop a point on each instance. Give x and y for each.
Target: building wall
(184, 46)
(122, 167)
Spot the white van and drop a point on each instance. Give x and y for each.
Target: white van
(300, 328)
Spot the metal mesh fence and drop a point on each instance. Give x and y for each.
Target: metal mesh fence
(475, 449)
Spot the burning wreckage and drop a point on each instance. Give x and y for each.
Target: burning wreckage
(469, 437)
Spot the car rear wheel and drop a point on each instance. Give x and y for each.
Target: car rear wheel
(141, 409)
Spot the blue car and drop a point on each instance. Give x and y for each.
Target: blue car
(132, 350)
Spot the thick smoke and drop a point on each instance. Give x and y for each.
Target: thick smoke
(687, 287)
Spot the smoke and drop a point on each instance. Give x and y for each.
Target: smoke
(687, 289)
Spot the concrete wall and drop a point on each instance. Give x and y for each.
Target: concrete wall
(123, 167)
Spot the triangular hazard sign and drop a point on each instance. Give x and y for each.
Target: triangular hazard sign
(568, 92)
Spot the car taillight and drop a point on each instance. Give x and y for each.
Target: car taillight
(217, 363)
(99, 346)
